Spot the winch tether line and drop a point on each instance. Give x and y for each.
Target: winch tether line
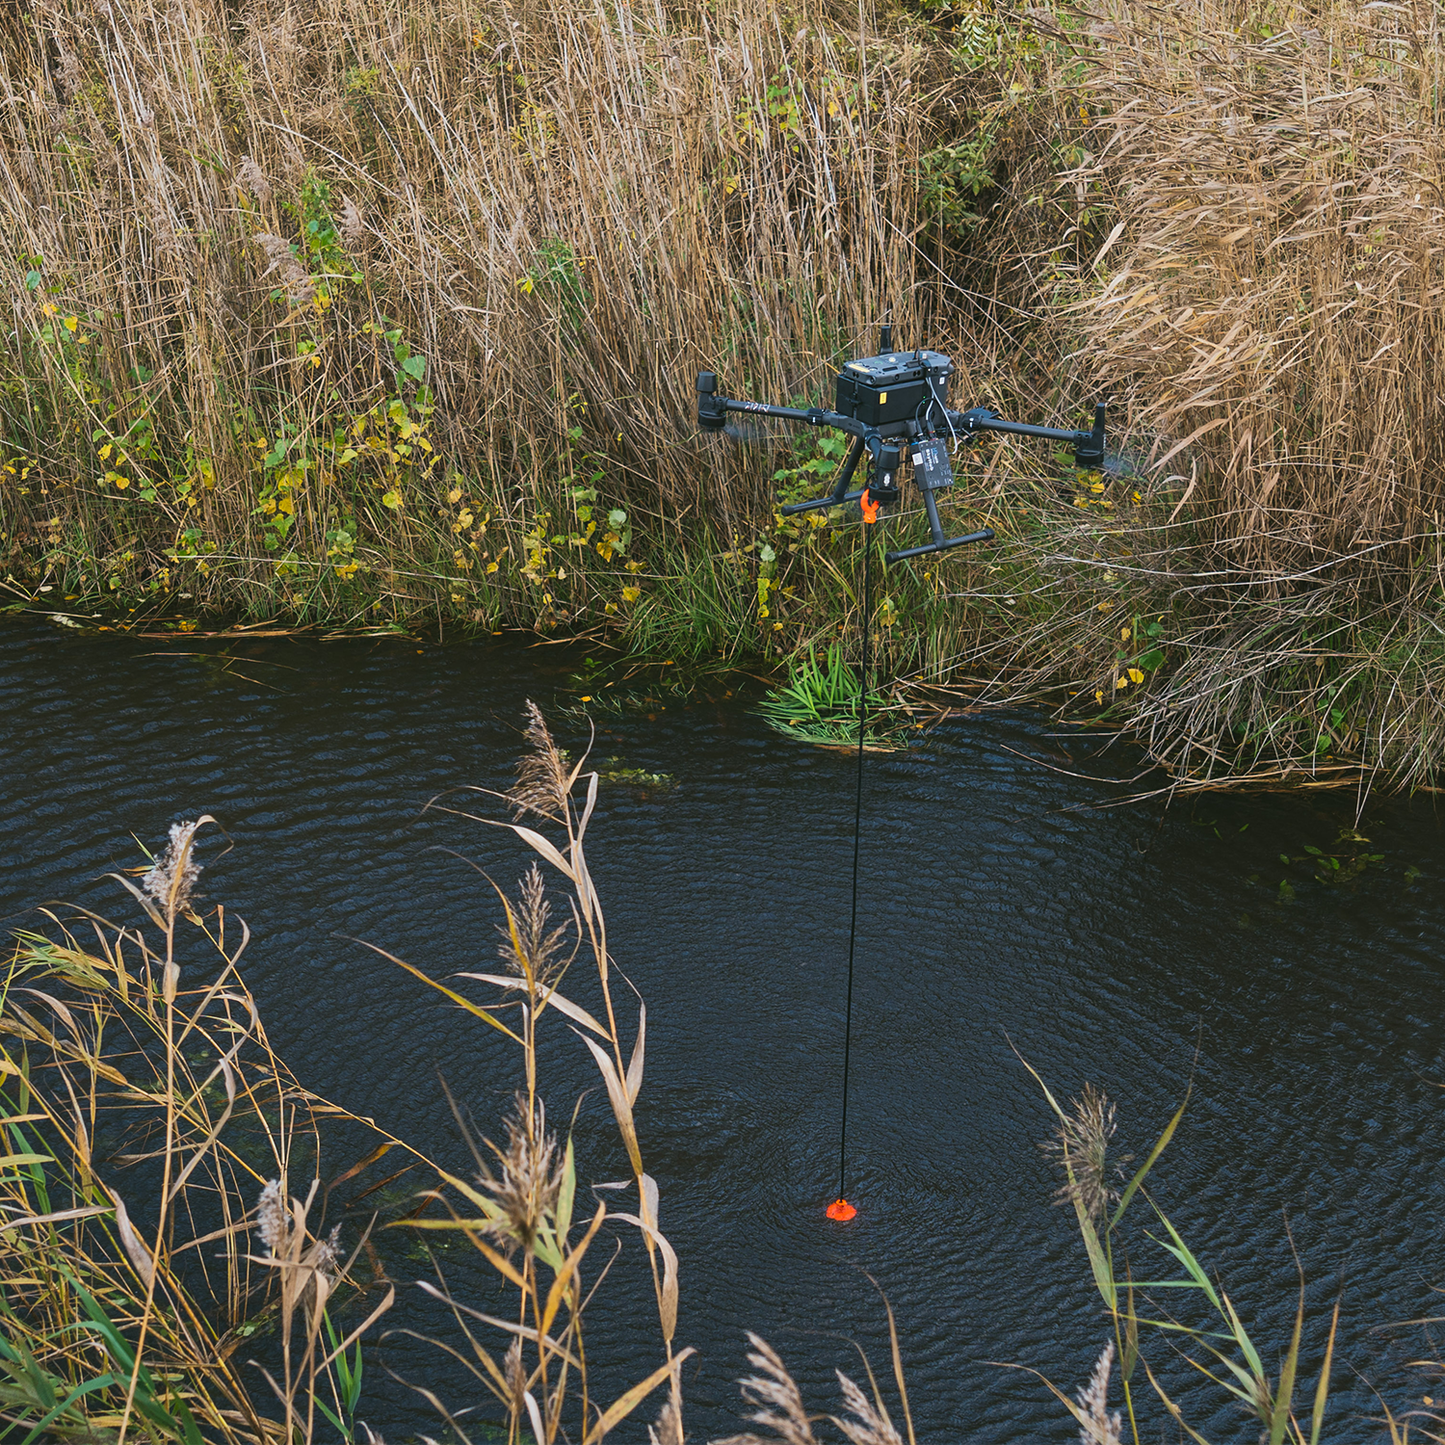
(840, 1208)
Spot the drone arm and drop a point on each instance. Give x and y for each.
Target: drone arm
(712, 410)
(1088, 445)
(840, 492)
(986, 535)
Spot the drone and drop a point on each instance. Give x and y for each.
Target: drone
(895, 405)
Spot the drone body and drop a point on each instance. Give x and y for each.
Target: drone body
(894, 405)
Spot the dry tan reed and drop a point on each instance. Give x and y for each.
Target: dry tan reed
(215, 217)
(145, 1119)
(325, 308)
(1256, 279)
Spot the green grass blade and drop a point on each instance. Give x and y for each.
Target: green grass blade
(100, 1382)
(1246, 1345)
(1185, 1256)
(1322, 1390)
(1160, 1146)
(1280, 1416)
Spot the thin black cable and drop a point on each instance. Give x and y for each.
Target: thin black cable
(857, 843)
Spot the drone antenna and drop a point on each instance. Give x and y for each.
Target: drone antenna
(885, 336)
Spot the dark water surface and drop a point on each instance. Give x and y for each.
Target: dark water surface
(1131, 947)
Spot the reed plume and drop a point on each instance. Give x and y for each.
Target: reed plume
(1080, 1145)
(780, 1403)
(530, 1175)
(1097, 1425)
(529, 948)
(174, 875)
(543, 783)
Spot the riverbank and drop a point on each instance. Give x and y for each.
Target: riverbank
(329, 319)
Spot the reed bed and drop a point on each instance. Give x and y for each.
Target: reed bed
(341, 306)
(1259, 191)
(165, 1212)
(335, 311)
(184, 1257)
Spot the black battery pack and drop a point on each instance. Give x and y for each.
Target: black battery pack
(894, 387)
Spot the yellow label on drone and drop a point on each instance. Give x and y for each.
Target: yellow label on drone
(883, 400)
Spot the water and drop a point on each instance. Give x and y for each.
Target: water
(1004, 914)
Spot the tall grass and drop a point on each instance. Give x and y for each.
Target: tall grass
(1190, 1311)
(338, 302)
(1255, 277)
(334, 310)
(175, 1264)
(150, 1130)
(518, 1212)
(173, 1261)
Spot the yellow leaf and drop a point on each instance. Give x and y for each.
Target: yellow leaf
(122, 482)
(526, 285)
(72, 322)
(454, 496)
(105, 452)
(1124, 634)
(391, 499)
(631, 594)
(286, 505)
(1135, 676)
(1121, 682)
(1106, 607)
(491, 566)
(1096, 486)
(1099, 697)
